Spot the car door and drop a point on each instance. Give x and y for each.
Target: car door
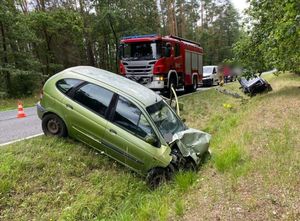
(126, 135)
(86, 111)
(214, 75)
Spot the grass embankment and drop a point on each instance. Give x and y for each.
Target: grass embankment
(254, 172)
(12, 103)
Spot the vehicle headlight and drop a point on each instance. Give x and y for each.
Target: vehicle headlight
(158, 78)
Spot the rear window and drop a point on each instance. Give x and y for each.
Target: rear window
(65, 85)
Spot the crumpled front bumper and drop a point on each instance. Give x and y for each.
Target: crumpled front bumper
(192, 143)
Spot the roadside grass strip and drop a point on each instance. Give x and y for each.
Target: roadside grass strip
(253, 173)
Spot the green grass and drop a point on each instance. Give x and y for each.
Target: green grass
(12, 103)
(47, 178)
(253, 173)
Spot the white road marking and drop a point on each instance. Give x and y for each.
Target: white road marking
(26, 138)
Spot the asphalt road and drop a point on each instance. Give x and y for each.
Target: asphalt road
(13, 129)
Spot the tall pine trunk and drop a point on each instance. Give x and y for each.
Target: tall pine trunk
(5, 59)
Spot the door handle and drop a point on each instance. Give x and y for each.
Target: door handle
(113, 131)
(69, 106)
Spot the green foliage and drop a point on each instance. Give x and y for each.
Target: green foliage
(24, 83)
(219, 32)
(272, 38)
(45, 37)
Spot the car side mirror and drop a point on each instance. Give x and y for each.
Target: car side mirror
(151, 139)
(183, 120)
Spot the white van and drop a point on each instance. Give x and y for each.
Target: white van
(210, 75)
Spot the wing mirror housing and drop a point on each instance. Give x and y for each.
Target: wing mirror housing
(168, 50)
(151, 139)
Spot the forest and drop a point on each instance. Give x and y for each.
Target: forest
(39, 38)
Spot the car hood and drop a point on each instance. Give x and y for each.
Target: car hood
(206, 74)
(192, 142)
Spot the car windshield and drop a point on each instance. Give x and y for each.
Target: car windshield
(208, 69)
(165, 119)
(140, 51)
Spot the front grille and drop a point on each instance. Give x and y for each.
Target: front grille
(139, 70)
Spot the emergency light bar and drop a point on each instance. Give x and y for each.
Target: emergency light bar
(140, 36)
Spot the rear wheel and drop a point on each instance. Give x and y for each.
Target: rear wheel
(193, 87)
(54, 125)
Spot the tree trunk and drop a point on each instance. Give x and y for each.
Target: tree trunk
(171, 20)
(89, 47)
(5, 59)
(116, 43)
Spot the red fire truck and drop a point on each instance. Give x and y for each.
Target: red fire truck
(158, 62)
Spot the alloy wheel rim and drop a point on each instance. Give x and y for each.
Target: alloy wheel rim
(53, 126)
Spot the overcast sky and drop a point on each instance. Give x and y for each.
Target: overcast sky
(240, 5)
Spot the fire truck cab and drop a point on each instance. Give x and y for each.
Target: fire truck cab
(158, 62)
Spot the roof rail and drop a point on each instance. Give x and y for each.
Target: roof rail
(183, 39)
(140, 36)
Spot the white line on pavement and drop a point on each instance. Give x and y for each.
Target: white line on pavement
(26, 138)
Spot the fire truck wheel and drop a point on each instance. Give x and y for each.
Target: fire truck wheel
(195, 84)
(172, 83)
(193, 87)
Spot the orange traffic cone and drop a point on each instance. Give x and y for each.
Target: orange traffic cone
(20, 111)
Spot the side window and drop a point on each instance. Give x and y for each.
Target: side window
(129, 117)
(94, 97)
(177, 50)
(64, 85)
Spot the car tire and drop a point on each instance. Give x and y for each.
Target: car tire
(53, 125)
(156, 177)
(190, 165)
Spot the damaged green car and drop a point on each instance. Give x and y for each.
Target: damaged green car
(123, 120)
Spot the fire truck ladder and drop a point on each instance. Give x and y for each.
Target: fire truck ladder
(183, 39)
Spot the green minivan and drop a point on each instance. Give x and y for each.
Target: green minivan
(123, 120)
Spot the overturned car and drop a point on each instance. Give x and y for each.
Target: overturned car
(254, 85)
(123, 120)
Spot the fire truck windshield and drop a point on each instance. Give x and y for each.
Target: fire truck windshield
(140, 51)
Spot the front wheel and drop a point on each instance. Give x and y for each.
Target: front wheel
(172, 83)
(54, 126)
(190, 165)
(156, 177)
